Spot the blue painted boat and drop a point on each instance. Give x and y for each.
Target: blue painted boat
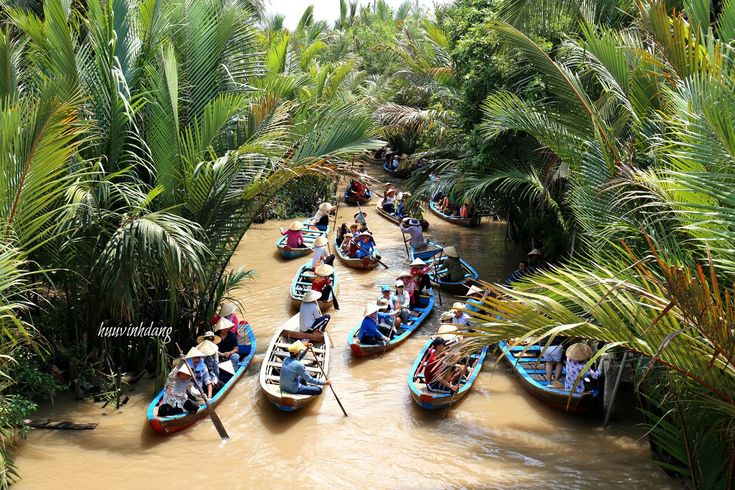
(302, 283)
(310, 234)
(176, 423)
(414, 322)
(433, 254)
(457, 220)
(529, 368)
(270, 370)
(363, 263)
(435, 400)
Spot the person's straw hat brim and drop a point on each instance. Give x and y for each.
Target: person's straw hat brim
(295, 226)
(325, 207)
(311, 296)
(447, 315)
(207, 348)
(458, 305)
(183, 367)
(447, 332)
(223, 324)
(215, 338)
(383, 303)
(194, 352)
(474, 290)
(403, 274)
(320, 241)
(324, 270)
(579, 352)
(226, 309)
(391, 191)
(417, 261)
(227, 367)
(451, 252)
(370, 308)
(296, 347)
(535, 251)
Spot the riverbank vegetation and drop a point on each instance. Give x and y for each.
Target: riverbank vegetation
(139, 140)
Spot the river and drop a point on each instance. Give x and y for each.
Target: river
(497, 437)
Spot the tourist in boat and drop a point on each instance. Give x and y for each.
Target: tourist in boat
(228, 348)
(401, 203)
(460, 317)
(434, 377)
(452, 265)
(321, 218)
(535, 260)
(294, 378)
(420, 276)
(446, 205)
(227, 310)
(365, 246)
(346, 244)
(401, 301)
(341, 232)
(179, 386)
(446, 317)
(465, 211)
(388, 317)
(360, 218)
(552, 362)
(369, 333)
(395, 164)
(310, 315)
(577, 356)
(295, 237)
(321, 255)
(412, 227)
(323, 283)
(207, 345)
(389, 201)
(517, 274)
(195, 360)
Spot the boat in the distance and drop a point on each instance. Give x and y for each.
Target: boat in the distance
(399, 173)
(395, 219)
(310, 234)
(302, 283)
(414, 322)
(470, 222)
(270, 370)
(434, 400)
(350, 198)
(433, 254)
(176, 423)
(530, 370)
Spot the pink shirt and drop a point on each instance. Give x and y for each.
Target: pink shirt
(295, 238)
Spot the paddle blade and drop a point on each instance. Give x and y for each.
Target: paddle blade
(218, 424)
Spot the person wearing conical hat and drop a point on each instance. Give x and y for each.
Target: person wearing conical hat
(474, 296)
(321, 218)
(226, 310)
(295, 379)
(446, 317)
(420, 276)
(460, 317)
(310, 315)
(369, 334)
(321, 254)
(401, 203)
(412, 228)
(323, 283)
(453, 266)
(194, 362)
(207, 345)
(228, 348)
(365, 246)
(360, 218)
(577, 356)
(175, 400)
(535, 259)
(295, 237)
(389, 201)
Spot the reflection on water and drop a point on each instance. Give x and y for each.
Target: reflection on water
(498, 436)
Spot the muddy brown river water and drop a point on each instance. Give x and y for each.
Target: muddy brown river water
(497, 437)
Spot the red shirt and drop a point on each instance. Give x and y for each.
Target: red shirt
(232, 318)
(319, 283)
(430, 368)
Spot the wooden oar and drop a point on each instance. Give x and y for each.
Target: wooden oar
(436, 275)
(325, 377)
(392, 328)
(212, 414)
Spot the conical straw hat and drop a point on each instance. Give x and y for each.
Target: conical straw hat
(579, 352)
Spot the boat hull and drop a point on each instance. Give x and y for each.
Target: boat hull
(177, 423)
(350, 199)
(364, 263)
(310, 234)
(395, 219)
(456, 220)
(300, 285)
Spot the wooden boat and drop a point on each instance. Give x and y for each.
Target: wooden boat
(302, 283)
(350, 199)
(270, 370)
(310, 234)
(529, 368)
(469, 222)
(400, 173)
(176, 423)
(395, 219)
(433, 254)
(414, 322)
(355, 263)
(434, 400)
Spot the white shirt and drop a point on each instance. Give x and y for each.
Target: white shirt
(319, 215)
(389, 200)
(308, 313)
(403, 299)
(462, 320)
(319, 252)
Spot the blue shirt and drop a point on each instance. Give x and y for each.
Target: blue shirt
(293, 374)
(472, 305)
(364, 249)
(369, 328)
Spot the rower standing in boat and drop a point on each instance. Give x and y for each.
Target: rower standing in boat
(295, 238)
(175, 398)
(310, 316)
(323, 284)
(321, 218)
(412, 227)
(294, 378)
(454, 272)
(552, 362)
(369, 333)
(535, 260)
(228, 348)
